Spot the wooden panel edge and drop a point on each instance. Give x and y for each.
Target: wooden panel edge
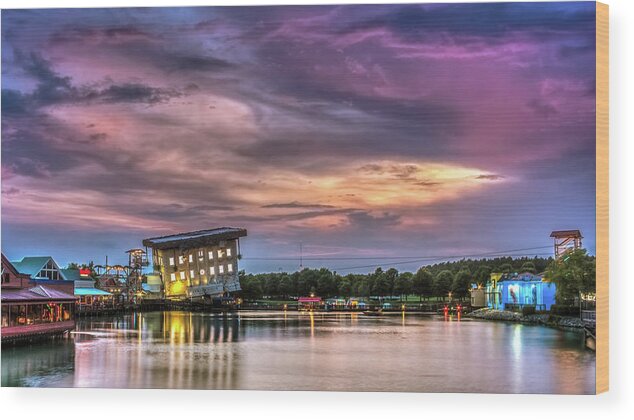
(602, 197)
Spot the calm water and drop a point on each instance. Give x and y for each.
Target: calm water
(302, 351)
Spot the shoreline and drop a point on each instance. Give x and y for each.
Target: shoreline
(546, 320)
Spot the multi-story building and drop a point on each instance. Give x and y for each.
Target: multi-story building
(198, 264)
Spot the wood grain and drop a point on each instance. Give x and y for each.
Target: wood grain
(602, 196)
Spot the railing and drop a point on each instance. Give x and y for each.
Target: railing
(589, 318)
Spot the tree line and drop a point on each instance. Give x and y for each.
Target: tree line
(430, 281)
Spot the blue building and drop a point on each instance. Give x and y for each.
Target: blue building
(513, 291)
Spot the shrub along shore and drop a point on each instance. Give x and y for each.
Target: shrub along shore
(548, 320)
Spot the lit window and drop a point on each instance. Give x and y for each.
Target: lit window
(211, 255)
(191, 274)
(202, 271)
(191, 258)
(201, 254)
(230, 268)
(221, 269)
(182, 275)
(228, 252)
(171, 261)
(220, 253)
(212, 271)
(181, 260)
(173, 276)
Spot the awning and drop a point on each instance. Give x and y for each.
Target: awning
(90, 291)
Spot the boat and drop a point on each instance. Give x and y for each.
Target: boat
(373, 312)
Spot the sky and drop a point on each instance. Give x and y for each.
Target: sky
(367, 135)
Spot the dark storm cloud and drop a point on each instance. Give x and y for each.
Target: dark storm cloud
(197, 63)
(53, 88)
(97, 137)
(131, 92)
(492, 177)
(14, 103)
(542, 108)
(296, 205)
(491, 20)
(118, 34)
(363, 220)
(32, 148)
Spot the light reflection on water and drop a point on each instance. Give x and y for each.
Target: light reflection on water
(307, 351)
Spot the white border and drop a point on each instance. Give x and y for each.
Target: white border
(159, 404)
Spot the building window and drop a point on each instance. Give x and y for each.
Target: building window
(50, 271)
(181, 259)
(191, 274)
(211, 255)
(172, 261)
(220, 254)
(212, 271)
(173, 276)
(228, 252)
(191, 258)
(202, 271)
(201, 254)
(182, 275)
(230, 268)
(221, 269)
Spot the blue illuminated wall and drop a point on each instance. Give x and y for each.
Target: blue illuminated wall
(520, 290)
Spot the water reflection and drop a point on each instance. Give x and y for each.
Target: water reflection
(39, 365)
(310, 351)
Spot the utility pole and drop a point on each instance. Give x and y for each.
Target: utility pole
(301, 257)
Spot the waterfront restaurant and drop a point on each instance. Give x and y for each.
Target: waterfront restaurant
(31, 312)
(198, 265)
(514, 291)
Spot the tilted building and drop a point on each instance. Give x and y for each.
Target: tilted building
(198, 264)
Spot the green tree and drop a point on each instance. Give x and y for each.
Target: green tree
(363, 287)
(285, 286)
(391, 276)
(381, 285)
(326, 286)
(423, 283)
(345, 287)
(528, 267)
(505, 268)
(574, 273)
(461, 284)
(403, 284)
(271, 285)
(250, 286)
(482, 275)
(443, 283)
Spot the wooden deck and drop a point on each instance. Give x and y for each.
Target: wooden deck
(27, 332)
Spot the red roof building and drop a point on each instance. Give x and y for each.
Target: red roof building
(33, 312)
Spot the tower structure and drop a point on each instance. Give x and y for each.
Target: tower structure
(566, 241)
(137, 260)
